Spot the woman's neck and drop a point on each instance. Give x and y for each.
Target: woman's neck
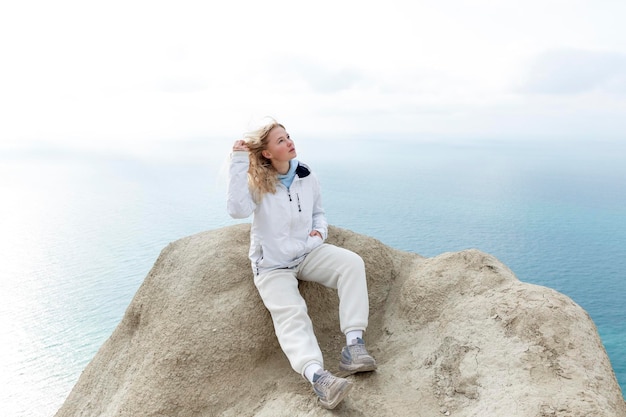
(282, 167)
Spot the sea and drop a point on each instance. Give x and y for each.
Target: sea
(82, 227)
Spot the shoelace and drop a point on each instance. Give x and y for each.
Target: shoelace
(325, 380)
(358, 349)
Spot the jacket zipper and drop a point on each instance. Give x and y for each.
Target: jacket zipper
(297, 197)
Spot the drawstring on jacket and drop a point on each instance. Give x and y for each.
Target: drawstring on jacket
(297, 198)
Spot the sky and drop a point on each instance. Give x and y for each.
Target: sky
(133, 74)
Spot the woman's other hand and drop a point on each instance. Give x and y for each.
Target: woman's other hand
(316, 233)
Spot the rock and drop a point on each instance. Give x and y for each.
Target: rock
(457, 334)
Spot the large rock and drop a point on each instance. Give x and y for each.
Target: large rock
(454, 335)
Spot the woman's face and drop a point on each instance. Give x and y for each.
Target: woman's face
(280, 147)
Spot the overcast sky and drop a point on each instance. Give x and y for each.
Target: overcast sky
(117, 73)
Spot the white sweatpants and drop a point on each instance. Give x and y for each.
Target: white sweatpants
(330, 266)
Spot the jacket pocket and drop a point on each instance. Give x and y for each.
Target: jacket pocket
(313, 242)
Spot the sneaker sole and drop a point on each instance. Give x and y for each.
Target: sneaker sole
(339, 398)
(353, 369)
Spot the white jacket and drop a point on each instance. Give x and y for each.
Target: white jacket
(282, 222)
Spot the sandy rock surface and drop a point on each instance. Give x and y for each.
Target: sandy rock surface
(454, 335)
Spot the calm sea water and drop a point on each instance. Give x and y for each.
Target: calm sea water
(81, 230)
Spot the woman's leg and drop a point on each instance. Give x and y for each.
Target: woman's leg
(344, 270)
(292, 324)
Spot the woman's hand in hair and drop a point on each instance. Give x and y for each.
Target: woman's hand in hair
(240, 145)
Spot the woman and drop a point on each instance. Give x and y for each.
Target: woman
(286, 244)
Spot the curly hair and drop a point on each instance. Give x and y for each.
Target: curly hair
(262, 176)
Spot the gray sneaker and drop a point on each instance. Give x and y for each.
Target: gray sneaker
(330, 389)
(355, 358)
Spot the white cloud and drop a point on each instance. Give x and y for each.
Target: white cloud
(572, 71)
(122, 74)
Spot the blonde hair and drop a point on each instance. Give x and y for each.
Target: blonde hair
(262, 176)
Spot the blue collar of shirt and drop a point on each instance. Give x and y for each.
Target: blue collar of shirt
(287, 178)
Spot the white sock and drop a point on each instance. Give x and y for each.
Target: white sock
(311, 370)
(352, 335)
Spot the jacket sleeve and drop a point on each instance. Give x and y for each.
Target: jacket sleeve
(240, 203)
(319, 215)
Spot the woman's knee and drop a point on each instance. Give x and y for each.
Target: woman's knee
(354, 260)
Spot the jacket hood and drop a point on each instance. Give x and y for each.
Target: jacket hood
(302, 171)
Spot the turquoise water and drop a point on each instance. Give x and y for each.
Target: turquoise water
(81, 231)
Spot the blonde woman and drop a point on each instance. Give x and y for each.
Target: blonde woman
(287, 244)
